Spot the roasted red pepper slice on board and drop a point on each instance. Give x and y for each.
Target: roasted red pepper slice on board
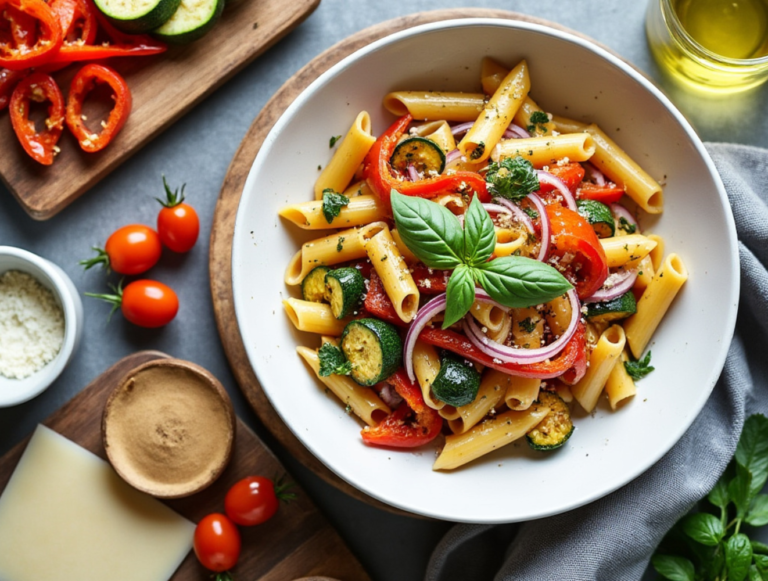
(378, 303)
(430, 281)
(77, 19)
(577, 250)
(47, 40)
(607, 194)
(459, 344)
(38, 87)
(85, 80)
(23, 27)
(412, 424)
(8, 81)
(378, 172)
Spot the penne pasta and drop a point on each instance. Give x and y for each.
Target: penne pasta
(547, 150)
(314, 317)
(626, 251)
(426, 366)
(332, 249)
(644, 273)
(488, 315)
(604, 357)
(439, 132)
(360, 188)
(619, 386)
(360, 210)
(493, 386)
(557, 313)
(527, 328)
(435, 105)
(521, 392)
(657, 253)
(405, 252)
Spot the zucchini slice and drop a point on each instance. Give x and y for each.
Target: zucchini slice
(423, 154)
(599, 216)
(192, 20)
(313, 285)
(344, 288)
(555, 429)
(137, 16)
(613, 310)
(457, 383)
(374, 348)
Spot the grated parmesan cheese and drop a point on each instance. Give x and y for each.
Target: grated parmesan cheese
(31, 325)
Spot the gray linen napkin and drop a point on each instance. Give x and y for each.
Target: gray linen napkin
(612, 539)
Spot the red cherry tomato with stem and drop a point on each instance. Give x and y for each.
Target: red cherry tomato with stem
(146, 303)
(217, 543)
(132, 249)
(177, 223)
(254, 500)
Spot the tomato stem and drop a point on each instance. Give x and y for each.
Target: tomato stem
(101, 258)
(281, 490)
(224, 576)
(172, 198)
(116, 299)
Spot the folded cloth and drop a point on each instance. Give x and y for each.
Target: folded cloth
(613, 539)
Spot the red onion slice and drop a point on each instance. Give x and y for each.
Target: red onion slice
(452, 156)
(614, 286)
(546, 238)
(557, 183)
(621, 212)
(425, 314)
(524, 356)
(594, 174)
(516, 132)
(518, 213)
(497, 209)
(412, 173)
(461, 128)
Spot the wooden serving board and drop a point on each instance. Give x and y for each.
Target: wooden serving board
(297, 542)
(164, 87)
(220, 258)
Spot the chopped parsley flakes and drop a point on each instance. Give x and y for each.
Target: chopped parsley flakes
(333, 141)
(637, 369)
(332, 361)
(538, 120)
(332, 204)
(512, 178)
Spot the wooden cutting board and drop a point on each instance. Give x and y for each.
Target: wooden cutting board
(297, 542)
(220, 257)
(164, 87)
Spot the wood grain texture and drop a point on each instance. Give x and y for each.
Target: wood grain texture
(220, 258)
(297, 542)
(164, 87)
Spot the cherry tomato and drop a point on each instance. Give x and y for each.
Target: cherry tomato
(129, 250)
(177, 223)
(251, 501)
(217, 543)
(146, 303)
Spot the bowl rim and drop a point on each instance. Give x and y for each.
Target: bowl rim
(61, 289)
(623, 67)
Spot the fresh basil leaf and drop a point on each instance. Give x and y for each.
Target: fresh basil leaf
(429, 230)
(673, 568)
(757, 515)
(759, 548)
(460, 294)
(512, 178)
(332, 361)
(761, 561)
(738, 557)
(479, 234)
(752, 450)
(519, 282)
(639, 368)
(703, 528)
(740, 490)
(754, 574)
(332, 204)
(719, 494)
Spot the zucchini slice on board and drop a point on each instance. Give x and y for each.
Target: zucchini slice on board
(137, 16)
(313, 285)
(423, 154)
(599, 216)
(192, 20)
(555, 429)
(457, 383)
(344, 288)
(613, 310)
(374, 348)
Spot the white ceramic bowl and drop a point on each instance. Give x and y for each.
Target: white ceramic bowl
(571, 77)
(16, 391)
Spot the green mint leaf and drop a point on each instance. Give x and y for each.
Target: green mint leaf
(761, 560)
(719, 494)
(752, 450)
(479, 234)
(740, 490)
(759, 548)
(460, 294)
(703, 528)
(512, 178)
(626, 226)
(333, 141)
(637, 369)
(332, 204)
(519, 282)
(673, 568)
(738, 557)
(332, 361)
(429, 230)
(757, 515)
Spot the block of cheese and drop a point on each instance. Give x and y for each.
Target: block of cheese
(65, 515)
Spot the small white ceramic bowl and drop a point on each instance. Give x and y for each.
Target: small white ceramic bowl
(16, 391)
(571, 77)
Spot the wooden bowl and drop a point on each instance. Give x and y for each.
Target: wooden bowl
(168, 428)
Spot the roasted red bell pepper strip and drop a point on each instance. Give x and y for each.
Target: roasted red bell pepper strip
(607, 194)
(8, 81)
(47, 42)
(430, 281)
(571, 174)
(378, 172)
(378, 303)
(23, 27)
(459, 344)
(77, 19)
(412, 424)
(576, 250)
(38, 87)
(577, 370)
(85, 80)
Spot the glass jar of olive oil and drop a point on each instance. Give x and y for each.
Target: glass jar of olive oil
(711, 45)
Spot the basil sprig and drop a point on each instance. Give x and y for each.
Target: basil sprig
(436, 237)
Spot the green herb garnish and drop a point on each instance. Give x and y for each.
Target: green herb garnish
(332, 204)
(637, 369)
(527, 325)
(533, 214)
(333, 141)
(538, 120)
(512, 178)
(626, 226)
(332, 361)
(340, 244)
